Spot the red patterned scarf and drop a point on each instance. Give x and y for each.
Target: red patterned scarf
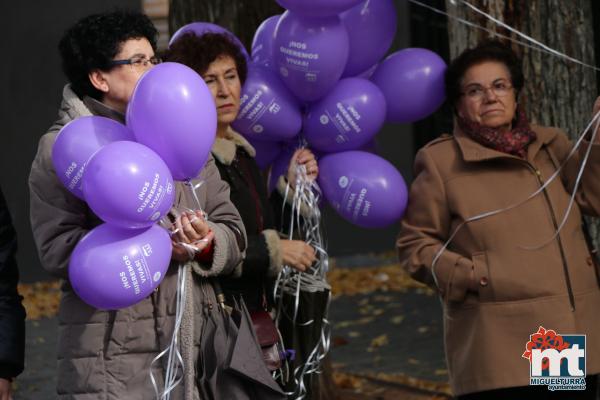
(514, 141)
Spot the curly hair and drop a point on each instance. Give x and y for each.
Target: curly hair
(198, 52)
(95, 40)
(489, 50)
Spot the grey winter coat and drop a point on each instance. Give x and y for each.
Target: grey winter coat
(107, 354)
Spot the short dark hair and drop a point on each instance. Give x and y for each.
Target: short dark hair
(198, 52)
(95, 40)
(489, 50)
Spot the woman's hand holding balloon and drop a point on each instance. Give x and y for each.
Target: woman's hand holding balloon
(297, 254)
(192, 230)
(303, 157)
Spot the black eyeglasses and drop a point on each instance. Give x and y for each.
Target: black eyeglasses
(137, 62)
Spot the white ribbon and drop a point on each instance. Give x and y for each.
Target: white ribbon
(174, 359)
(306, 196)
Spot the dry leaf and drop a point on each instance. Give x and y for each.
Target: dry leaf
(380, 341)
(361, 321)
(40, 299)
(372, 279)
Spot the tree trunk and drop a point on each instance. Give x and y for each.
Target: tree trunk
(239, 17)
(557, 92)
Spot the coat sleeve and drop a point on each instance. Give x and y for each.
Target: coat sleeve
(588, 192)
(263, 256)
(424, 230)
(58, 218)
(225, 221)
(12, 313)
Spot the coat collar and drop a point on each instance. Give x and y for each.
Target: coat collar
(224, 149)
(473, 151)
(101, 109)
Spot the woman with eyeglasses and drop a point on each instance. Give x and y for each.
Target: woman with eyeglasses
(505, 274)
(109, 354)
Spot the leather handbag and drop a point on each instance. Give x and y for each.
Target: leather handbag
(268, 339)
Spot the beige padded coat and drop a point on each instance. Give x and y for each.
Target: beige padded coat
(106, 355)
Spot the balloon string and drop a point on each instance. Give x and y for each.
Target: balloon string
(575, 187)
(192, 188)
(538, 45)
(595, 120)
(526, 37)
(174, 359)
(306, 197)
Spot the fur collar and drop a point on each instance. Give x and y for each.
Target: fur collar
(224, 149)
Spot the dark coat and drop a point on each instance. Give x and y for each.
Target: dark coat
(234, 158)
(12, 313)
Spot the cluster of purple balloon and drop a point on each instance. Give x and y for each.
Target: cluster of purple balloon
(316, 71)
(126, 175)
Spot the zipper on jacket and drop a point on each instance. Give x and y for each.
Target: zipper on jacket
(538, 174)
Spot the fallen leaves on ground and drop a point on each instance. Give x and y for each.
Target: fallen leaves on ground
(360, 321)
(375, 384)
(436, 387)
(40, 299)
(352, 281)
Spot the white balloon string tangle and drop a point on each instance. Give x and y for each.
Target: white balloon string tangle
(305, 217)
(174, 359)
(594, 122)
(575, 187)
(190, 248)
(536, 44)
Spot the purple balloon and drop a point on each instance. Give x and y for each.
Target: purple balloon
(363, 188)
(113, 268)
(266, 152)
(200, 28)
(262, 44)
(366, 74)
(310, 53)
(318, 8)
(370, 147)
(128, 185)
(172, 111)
(77, 141)
(347, 118)
(412, 81)
(371, 29)
(268, 111)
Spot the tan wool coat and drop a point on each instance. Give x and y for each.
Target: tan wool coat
(505, 275)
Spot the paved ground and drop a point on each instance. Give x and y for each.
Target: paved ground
(393, 337)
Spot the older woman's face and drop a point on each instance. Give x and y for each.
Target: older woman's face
(223, 80)
(488, 97)
(118, 83)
